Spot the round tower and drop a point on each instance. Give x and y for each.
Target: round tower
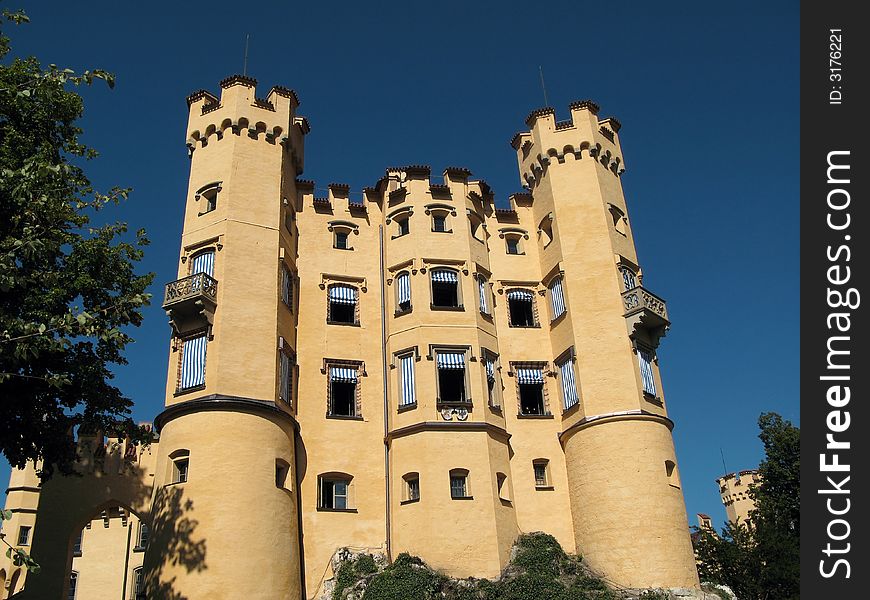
(627, 507)
(225, 514)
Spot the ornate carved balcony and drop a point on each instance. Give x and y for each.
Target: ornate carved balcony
(644, 311)
(190, 303)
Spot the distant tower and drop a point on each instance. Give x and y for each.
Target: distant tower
(628, 512)
(225, 475)
(734, 490)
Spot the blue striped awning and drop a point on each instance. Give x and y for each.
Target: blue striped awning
(490, 370)
(407, 380)
(203, 263)
(569, 385)
(403, 281)
(646, 372)
(343, 374)
(524, 295)
(530, 376)
(193, 362)
(557, 299)
(481, 288)
(451, 360)
(342, 294)
(444, 276)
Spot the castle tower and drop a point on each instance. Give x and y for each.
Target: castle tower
(225, 487)
(22, 500)
(734, 491)
(628, 512)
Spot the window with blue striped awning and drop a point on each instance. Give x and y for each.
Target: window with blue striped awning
(481, 285)
(645, 358)
(569, 385)
(523, 295)
(557, 300)
(203, 263)
(530, 376)
(444, 276)
(342, 294)
(451, 360)
(403, 281)
(193, 362)
(490, 370)
(343, 374)
(408, 397)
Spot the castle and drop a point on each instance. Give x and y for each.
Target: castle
(409, 369)
(734, 491)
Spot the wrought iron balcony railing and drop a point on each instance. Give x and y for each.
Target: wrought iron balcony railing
(192, 287)
(644, 311)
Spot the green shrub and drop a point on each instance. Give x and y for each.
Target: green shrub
(365, 565)
(541, 554)
(406, 579)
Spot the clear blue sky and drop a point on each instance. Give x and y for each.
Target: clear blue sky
(707, 95)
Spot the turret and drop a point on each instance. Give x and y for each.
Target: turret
(628, 512)
(734, 489)
(227, 451)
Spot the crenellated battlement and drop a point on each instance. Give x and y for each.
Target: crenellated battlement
(239, 112)
(582, 135)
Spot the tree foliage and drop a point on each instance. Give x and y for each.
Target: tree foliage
(759, 559)
(68, 287)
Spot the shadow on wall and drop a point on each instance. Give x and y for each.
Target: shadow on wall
(173, 544)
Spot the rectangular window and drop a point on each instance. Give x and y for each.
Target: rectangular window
(531, 390)
(451, 377)
(193, 351)
(286, 286)
(181, 468)
(342, 391)
(403, 292)
(521, 307)
(541, 478)
(513, 245)
(413, 489)
(334, 493)
(439, 223)
(458, 487)
(23, 535)
(406, 377)
(557, 299)
(491, 381)
(286, 374)
(445, 292)
(569, 385)
(203, 263)
(138, 584)
(73, 584)
(404, 226)
(645, 358)
(342, 304)
(340, 240)
(481, 288)
(77, 543)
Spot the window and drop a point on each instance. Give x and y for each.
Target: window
(489, 365)
(24, 535)
(629, 280)
(342, 304)
(521, 308)
(451, 377)
(569, 385)
(412, 487)
(404, 226)
(202, 262)
(557, 299)
(620, 223)
(445, 289)
(459, 484)
(73, 584)
(287, 365)
(541, 467)
(439, 223)
(477, 227)
(142, 536)
(531, 390)
(77, 543)
(644, 359)
(192, 362)
(209, 195)
(406, 380)
(483, 293)
(335, 492)
(342, 391)
(513, 245)
(340, 240)
(545, 230)
(180, 466)
(671, 473)
(138, 584)
(286, 286)
(403, 292)
(502, 487)
(282, 472)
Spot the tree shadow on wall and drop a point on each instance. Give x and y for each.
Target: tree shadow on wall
(173, 546)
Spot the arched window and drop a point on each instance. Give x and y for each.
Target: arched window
(501, 481)
(138, 584)
(459, 484)
(202, 262)
(671, 473)
(73, 584)
(142, 536)
(335, 492)
(180, 465)
(545, 230)
(412, 487)
(282, 474)
(629, 278)
(541, 468)
(208, 194)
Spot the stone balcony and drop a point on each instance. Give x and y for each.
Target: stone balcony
(190, 303)
(645, 312)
